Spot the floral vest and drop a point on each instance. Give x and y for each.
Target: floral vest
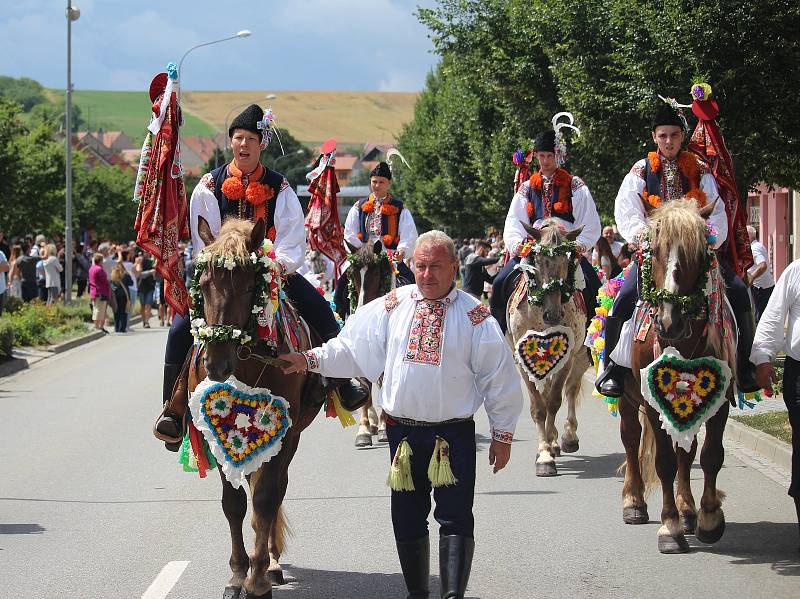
(684, 183)
(559, 201)
(390, 219)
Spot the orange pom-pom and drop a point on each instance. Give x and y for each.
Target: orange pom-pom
(698, 195)
(388, 240)
(560, 207)
(232, 188)
(654, 201)
(258, 193)
(690, 167)
(271, 234)
(360, 236)
(388, 209)
(655, 162)
(530, 210)
(368, 206)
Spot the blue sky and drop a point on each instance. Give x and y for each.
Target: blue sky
(296, 44)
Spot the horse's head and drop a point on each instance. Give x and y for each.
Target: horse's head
(228, 290)
(551, 270)
(369, 273)
(678, 265)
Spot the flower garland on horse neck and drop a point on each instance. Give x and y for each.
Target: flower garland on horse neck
(566, 286)
(357, 263)
(257, 194)
(267, 296)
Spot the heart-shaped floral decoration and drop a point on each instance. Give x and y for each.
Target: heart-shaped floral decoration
(685, 392)
(243, 426)
(542, 354)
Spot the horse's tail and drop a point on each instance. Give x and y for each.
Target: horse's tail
(280, 531)
(647, 455)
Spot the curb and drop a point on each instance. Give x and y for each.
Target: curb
(73, 343)
(12, 366)
(766, 446)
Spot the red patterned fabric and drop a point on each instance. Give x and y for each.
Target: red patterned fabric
(325, 231)
(708, 144)
(161, 220)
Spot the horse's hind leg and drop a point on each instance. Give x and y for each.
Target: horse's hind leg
(364, 435)
(382, 436)
(372, 415)
(683, 497)
(634, 507)
(234, 505)
(711, 519)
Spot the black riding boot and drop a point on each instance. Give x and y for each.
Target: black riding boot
(169, 425)
(611, 382)
(745, 370)
(415, 562)
(455, 561)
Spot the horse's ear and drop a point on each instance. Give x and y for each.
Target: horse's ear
(350, 247)
(574, 234)
(708, 209)
(377, 248)
(532, 231)
(257, 234)
(204, 231)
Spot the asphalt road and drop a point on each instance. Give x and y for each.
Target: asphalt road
(91, 505)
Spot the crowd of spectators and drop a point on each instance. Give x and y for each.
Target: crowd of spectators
(120, 279)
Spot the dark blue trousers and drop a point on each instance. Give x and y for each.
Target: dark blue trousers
(453, 509)
(313, 307)
(791, 395)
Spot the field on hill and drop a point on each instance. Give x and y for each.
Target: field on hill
(126, 111)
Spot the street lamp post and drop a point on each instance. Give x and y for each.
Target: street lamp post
(72, 14)
(242, 33)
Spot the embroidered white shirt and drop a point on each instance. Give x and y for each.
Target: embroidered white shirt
(770, 337)
(406, 229)
(629, 211)
(583, 210)
(290, 232)
(440, 360)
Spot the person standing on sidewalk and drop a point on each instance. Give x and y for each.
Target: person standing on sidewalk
(99, 292)
(441, 356)
(52, 270)
(474, 273)
(770, 338)
(759, 277)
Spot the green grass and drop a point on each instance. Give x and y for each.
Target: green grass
(128, 112)
(37, 325)
(773, 423)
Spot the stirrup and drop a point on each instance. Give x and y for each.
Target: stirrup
(608, 384)
(167, 419)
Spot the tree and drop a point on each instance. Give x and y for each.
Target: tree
(25, 92)
(52, 115)
(102, 201)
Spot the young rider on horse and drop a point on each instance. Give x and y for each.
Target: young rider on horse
(245, 188)
(382, 217)
(550, 193)
(667, 174)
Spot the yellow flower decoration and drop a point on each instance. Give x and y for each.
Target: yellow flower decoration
(705, 383)
(683, 405)
(666, 379)
(541, 366)
(599, 344)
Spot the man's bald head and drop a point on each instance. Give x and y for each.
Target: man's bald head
(752, 233)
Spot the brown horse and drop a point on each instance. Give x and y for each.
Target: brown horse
(554, 309)
(678, 246)
(368, 284)
(228, 296)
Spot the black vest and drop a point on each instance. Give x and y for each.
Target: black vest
(363, 226)
(654, 180)
(230, 208)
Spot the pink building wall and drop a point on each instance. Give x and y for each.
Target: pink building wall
(771, 207)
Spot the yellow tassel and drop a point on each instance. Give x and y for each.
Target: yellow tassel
(400, 470)
(440, 471)
(345, 417)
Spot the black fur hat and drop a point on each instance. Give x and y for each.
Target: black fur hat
(248, 120)
(545, 142)
(382, 170)
(666, 115)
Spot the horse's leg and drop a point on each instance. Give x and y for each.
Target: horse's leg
(634, 506)
(545, 464)
(382, 436)
(553, 399)
(572, 389)
(670, 536)
(364, 435)
(683, 497)
(373, 418)
(711, 519)
(234, 505)
(279, 530)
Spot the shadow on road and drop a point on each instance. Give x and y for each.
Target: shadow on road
(304, 583)
(602, 466)
(21, 529)
(750, 543)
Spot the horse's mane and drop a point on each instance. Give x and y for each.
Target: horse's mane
(679, 223)
(365, 253)
(232, 239)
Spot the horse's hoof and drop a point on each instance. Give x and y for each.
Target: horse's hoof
(231, 593)
(382, 436)
(546, 469)
(635, 515)
(669, 544)
(568, 446)
(709, 537)
(555, 451)
(373, 430)
(246, 595)
(363, 440)
(689, 523)
(276, 577)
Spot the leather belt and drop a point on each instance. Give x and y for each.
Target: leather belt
(423, 423)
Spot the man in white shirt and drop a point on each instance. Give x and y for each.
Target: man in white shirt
(441, 356)
(770, 339)
(759, 277)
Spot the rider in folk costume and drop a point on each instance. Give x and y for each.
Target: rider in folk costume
(380, 216)
(551, 192)
(669, 173)
(441, 357)
(246, 189)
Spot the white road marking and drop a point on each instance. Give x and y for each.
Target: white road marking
(165, 580)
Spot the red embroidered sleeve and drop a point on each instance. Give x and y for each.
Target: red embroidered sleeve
(638, 169)
(502, 436)
(284, 185)
(208, 181)
(478, 314)
(577, 183)
(390, 301)
(311, 359)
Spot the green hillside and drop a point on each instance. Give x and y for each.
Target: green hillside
(126, 111)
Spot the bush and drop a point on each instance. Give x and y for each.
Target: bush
(13, 304)
(6, 339)
(37, 324)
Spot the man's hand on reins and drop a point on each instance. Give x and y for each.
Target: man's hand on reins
(293, 362)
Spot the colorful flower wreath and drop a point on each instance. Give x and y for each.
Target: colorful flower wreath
(357, 263)
(566, 286)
